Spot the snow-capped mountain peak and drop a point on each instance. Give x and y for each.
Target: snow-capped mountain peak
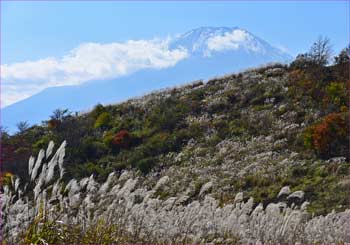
(197, 39)
(207, 40)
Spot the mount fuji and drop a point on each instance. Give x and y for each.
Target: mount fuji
(211, 51)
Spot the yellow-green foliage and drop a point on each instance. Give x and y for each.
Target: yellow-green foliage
(43, 142)
(102, 120)
(6, 178)
(336, 93)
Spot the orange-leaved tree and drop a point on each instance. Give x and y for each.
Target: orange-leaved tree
(330, 136)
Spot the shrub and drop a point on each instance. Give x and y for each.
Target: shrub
(108, 138)
(97, 170)
(122, 139)
(167, 115)
(237, 127)
(232, 96)
(103, 120)
(195, 130)
(179, 137)
(5, 179)
(329, 137)
(222, 128)
(157, 144)
(53, 124)
(41, 143)
(98, 110)
(93, 149)
(299, 83)
(308, 86)
(197, 95)
(145, 165)
(336, 96)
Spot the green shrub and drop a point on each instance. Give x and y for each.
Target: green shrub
(197, 95)
(214, 140)
(112, 162)
(157, 144)
(98, 110)
(236, 127)
(336, 97)
(167, 115)
(42, 143)
(145, 165)
(222, 128)
(87, 169)
(108, 138)
(93, 149)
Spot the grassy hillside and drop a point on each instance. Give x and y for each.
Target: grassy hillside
(252, 133)
(255, 131)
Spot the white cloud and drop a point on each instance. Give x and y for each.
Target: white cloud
(230, 40)
(87, 62)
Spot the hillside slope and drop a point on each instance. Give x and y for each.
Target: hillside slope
(205, 149)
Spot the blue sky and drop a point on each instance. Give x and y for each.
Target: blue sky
(33, 30)
(56, 43)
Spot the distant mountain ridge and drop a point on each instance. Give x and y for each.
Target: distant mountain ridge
(211, 51)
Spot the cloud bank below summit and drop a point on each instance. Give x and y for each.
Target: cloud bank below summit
(87, 62)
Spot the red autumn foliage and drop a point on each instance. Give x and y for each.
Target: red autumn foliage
(122, 139)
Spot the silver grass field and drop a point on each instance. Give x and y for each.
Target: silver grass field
(142, 217)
